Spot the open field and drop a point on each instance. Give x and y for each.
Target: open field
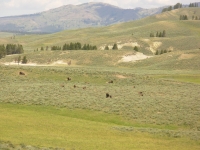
(168, 110)
(78, 129)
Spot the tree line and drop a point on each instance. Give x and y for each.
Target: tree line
(194, 5)
(114, 47)
(71, 46)
(179, 5)
(160, 52)
(10, 49)
(22, 60)
(185, 17)
(195, 18)
(158, 34)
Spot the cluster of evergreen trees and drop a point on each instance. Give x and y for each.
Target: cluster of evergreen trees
(10, 49)
(195, 18)
(23, 60)
(75, 46)
(193, 5)
(115, 47)
(183, 17)
(56, 48)
(159, 34)
(177, 6)
(160, 52)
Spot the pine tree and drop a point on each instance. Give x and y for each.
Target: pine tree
(160, 35)
(157, 35)
(107, 48)
(19, 59)
(115, 47)
(136, 48)
(157, 53)
(24, 60)
(185, 18)
(164, 33)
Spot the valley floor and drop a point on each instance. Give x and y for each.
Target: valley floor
(149, 109)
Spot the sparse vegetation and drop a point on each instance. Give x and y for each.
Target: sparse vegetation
(159, 34)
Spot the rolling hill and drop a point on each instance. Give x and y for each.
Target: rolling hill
(73, 17)
(181, 36)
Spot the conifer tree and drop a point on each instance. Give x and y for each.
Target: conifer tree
(136, 48)
(157, 35)
(157, 53)
(115, 47)
(107, 48)
(164, 33)
(24, 60)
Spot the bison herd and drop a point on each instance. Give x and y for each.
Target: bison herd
(107, 94)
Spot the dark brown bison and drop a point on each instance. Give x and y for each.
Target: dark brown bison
(111, 81)
(68, 78)
(74, 86)
(84, 87)
(21, 73)
(141, 93)
(108, 95)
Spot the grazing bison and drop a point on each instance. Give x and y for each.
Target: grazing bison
(62, 85)
(111, 81)
(74, 86)
(141, 93)
(84, 87)
(21, 73)
(68, 79)
(108, 95)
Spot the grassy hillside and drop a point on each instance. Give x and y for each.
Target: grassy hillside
(181, 35)
(167, 112)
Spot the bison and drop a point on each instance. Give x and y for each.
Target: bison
(21, 73)
(111, 81)
(108, 95)
(141, 93)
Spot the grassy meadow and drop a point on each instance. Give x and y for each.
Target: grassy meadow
(154, 102)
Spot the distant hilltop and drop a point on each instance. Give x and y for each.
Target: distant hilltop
(73, 17)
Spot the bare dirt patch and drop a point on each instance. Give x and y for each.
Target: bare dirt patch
(186, 56)
(134, 57)
(121, 76)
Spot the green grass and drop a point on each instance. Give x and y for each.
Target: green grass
(49, 127)
(182, 78)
